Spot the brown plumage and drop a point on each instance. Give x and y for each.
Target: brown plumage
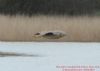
(50, 34)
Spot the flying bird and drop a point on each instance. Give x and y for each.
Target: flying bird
(50, 34)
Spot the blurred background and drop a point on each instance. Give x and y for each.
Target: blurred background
(50, 7)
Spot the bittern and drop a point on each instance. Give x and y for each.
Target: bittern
(50, 35)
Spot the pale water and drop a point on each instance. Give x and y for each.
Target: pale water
(49, 55)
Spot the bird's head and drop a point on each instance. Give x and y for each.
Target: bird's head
(37, 35)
